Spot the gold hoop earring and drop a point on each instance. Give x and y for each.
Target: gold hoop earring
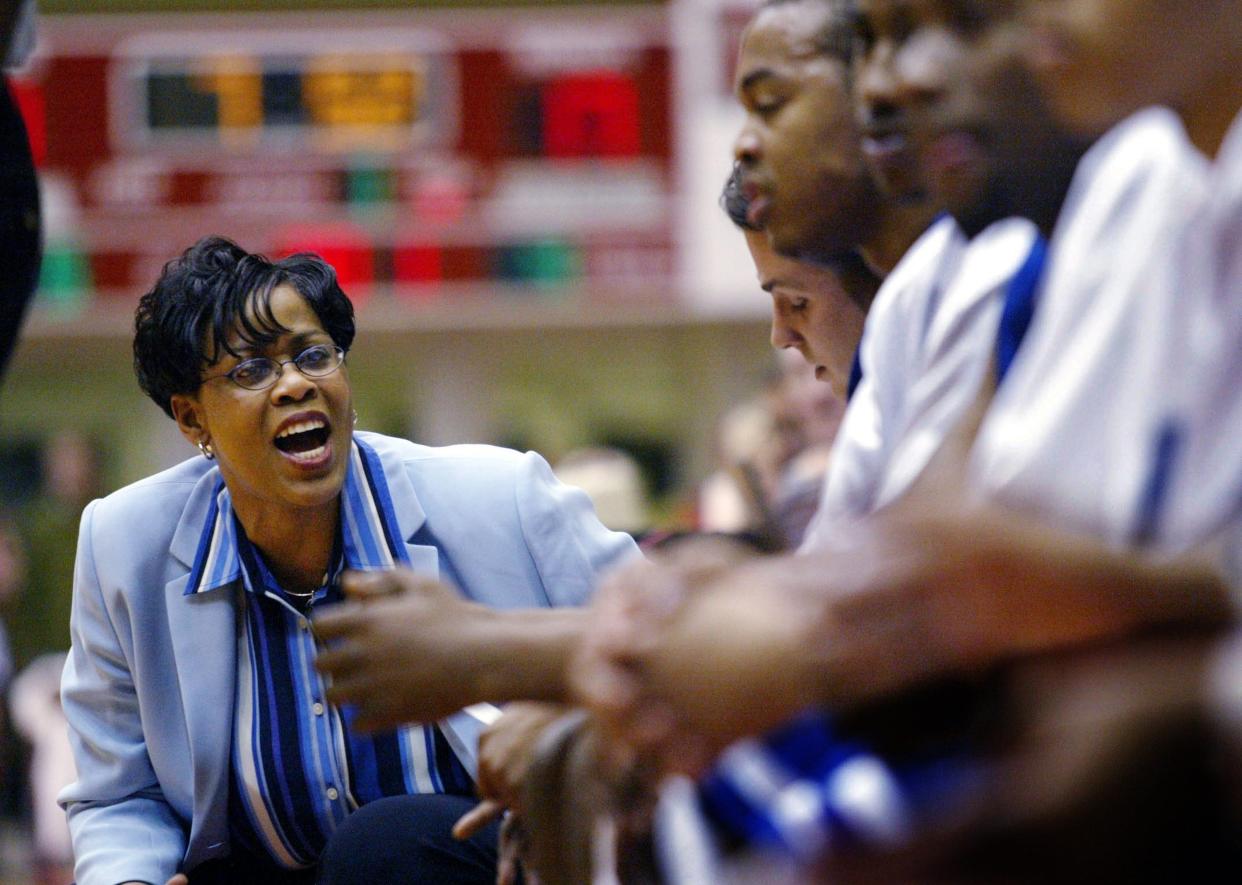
(205, 448)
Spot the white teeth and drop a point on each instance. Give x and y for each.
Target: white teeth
(308, 456)
(302, 427)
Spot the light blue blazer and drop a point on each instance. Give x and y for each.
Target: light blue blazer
(148, 687)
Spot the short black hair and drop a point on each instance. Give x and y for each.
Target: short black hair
(857, 278)
(734, 202)
(836, 39)
(216, 288)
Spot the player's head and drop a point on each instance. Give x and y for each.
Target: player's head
(817, 309)
(1101, 60)
(958, 70)
(801, 162)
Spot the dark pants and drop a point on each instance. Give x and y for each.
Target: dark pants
(400, 840)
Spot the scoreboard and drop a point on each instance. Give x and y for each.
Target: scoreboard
(415, 150)
(313, 100)
(392, 95)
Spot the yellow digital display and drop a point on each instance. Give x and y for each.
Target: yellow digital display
(333, 99)
(237, 84)
(337, 94)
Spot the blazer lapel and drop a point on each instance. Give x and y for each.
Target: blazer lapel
(424, 558)
(203, 628)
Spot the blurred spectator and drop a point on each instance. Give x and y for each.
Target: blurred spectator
(816, 410)
(34, 705)
(773, 451)
(749, 450)
(39, 617)
(13, 575)
(14, 570)
(615, 484)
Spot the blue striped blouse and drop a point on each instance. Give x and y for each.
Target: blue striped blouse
(297, 767)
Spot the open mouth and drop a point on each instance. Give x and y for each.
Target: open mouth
(891, 153)
(885, 144)
(759, 205)
(757, 212)
(304, 440)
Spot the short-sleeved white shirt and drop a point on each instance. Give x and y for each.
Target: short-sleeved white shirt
(1206, 490)
(926, 347)
(1074, 432)
(956, 351)
(889, 355)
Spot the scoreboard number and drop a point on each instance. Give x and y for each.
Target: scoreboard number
(280, 95)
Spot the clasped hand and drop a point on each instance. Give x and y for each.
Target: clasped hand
(398, 648)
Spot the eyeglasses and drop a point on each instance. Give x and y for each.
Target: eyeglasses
(260, 373)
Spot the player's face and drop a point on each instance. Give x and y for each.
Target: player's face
(802, 166)
(1101, 60)
(958, 69)
(812, 312)
(887, 138)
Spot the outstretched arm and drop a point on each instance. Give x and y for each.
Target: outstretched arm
(410, 649)
(896, 601)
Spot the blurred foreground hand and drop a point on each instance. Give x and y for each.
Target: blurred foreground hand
(400, 648)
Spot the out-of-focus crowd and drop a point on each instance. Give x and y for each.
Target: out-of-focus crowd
(38, 537)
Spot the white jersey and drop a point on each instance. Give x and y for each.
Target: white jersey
(1080, 430)
(889, 355)
(1206, 491)
(924, 352)
(957, 350)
